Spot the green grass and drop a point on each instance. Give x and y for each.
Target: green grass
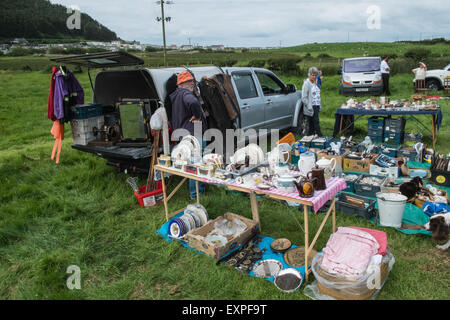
(82, 212)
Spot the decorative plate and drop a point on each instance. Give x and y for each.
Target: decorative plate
(267, 268)
(295, 257)
(217, 240)
(175, 229)
(280, 245)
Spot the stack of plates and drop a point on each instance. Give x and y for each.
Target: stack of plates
(194, 216)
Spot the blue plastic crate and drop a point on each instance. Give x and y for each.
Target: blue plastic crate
(79, 112)
(395, 125)
(396, 138)
(376, 139)
(375, 123)
(390, 150)
(321, 145)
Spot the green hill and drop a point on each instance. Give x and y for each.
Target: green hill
(40, 19)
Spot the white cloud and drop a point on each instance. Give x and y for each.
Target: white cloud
(267, 23)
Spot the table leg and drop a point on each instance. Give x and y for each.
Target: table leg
(255, 212)
(340, 124)
(164, 188)
(305, 210)
(433, 126)
(334, 214)
(196, 190)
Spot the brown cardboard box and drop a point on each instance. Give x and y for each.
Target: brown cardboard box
(357, 165)
(196, 237)
(339, 159)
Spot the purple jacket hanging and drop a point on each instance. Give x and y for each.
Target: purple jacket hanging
(66, 87)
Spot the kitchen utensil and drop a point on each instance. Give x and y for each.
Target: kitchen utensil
(267, 268)
(317, 176)
(305, 187)
(306, 162)
(328, 165)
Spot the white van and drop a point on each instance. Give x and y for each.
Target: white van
(361, 76)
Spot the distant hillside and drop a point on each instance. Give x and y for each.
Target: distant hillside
(40, 19)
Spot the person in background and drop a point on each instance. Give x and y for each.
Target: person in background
(312, 102)
(385, 75)
(186, 110)
(420, 71)
(319, 79)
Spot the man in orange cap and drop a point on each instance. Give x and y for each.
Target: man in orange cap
(187, 112)
(186, 108)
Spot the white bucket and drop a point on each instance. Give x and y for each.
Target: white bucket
(391, 207)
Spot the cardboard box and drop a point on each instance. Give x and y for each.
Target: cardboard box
(392, 172)
(196, 237)
(357, 165)
(339, 159)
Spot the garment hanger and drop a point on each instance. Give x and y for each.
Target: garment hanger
(63, 70)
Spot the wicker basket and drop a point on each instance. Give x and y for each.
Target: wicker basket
(357, 293)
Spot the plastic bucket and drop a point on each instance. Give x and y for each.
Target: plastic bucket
(391, 207)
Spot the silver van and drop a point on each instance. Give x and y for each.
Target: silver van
(360, 76)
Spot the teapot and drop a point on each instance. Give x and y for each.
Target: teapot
(305, 187)
(306, 162)
(328, 165)
(286, 183)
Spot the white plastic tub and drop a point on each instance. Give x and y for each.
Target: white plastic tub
(391, 207)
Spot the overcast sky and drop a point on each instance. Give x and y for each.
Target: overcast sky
(265, 23)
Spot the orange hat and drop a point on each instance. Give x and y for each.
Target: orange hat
(184, 77)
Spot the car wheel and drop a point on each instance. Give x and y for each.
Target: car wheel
(433, 85)
(302, 124)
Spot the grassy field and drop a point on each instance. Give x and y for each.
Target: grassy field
(81, 212)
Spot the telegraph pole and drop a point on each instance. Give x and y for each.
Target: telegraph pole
(163, 20)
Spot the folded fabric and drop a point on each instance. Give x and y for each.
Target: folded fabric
(380, 236)
(432, 208)
(348, 252)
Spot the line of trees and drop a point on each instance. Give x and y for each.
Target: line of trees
(42, 19)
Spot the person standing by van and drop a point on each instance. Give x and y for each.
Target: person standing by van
(384, 67)
(186, 110)
(311, 101)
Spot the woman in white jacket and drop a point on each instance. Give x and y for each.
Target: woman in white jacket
(311, 101)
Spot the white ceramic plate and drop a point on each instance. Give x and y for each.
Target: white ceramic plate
(217, 240)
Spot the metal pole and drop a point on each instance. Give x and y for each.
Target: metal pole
(164, 31)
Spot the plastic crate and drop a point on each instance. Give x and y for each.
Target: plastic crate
(396, 125)
(82, 129)
(321, 144)
(368, 212)
(375, 132)
(396, 138)
(410, 154)
(368, 190)
(151, 198)
(376, 139)
(375, 123)
(85, 111)
(351, 184)
(390, 150)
